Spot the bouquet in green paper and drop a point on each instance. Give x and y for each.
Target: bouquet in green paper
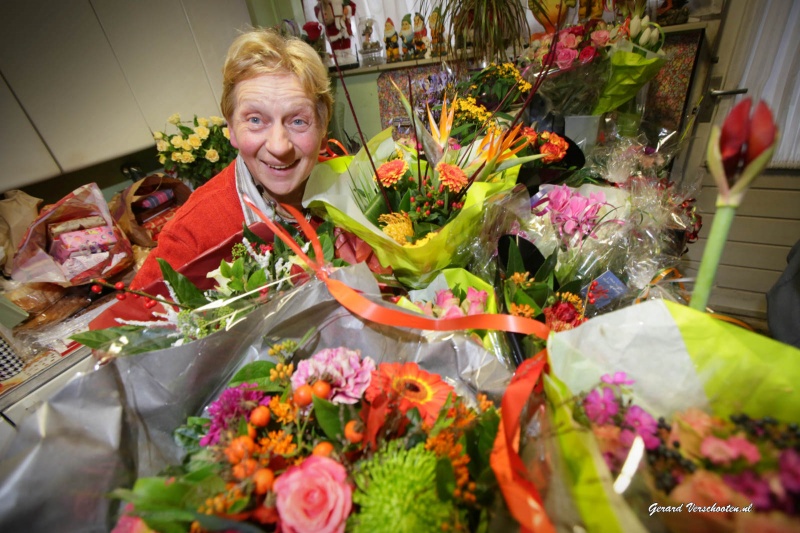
(419, 206)
(634, 62)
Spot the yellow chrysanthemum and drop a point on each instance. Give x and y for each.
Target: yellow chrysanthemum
(398, 226)
(451, 176)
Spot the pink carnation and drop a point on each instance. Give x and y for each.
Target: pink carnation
(313, 497)
(347, 373)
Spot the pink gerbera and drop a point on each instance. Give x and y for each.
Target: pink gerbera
(451, 176)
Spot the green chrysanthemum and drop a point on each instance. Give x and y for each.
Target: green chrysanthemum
(396, 490)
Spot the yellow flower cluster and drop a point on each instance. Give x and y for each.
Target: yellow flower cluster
(468, 110)
(198, 151)
(509, 71)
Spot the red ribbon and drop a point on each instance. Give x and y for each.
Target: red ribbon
(361, 306)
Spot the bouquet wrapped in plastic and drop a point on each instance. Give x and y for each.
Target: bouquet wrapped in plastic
(694, 363)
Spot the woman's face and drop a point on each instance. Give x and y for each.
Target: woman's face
(278, 133)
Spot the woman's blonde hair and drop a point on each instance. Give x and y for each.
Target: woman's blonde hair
(260, 52)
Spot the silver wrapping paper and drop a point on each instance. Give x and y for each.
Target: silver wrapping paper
(108, 427)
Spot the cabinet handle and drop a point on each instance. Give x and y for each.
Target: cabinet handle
(718, 93)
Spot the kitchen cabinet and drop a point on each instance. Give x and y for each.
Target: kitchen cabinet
(94, 78)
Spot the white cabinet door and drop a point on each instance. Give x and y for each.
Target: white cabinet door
(24, 156)
(159, 52)
(56, 58)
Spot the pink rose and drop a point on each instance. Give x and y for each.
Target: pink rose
(314, 497)
(565, 57)
(568, 40)
(587, 54)
(600, 37)
(704, 489)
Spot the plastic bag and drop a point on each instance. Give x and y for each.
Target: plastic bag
(17, 211)
(121, 204)
(33, 263)
(631, 67)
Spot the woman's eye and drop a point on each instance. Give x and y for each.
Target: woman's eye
(299, 122)
(254, 120)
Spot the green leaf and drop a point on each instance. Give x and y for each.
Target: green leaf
(256, 280)
(328, 249)
(237, 269)
(250, 236)
(546, 272)
(225, 269)
(375, 209)
(186, 291)
(328, 417)
(480, 442)
(127, 340)
(405, 202)
(445, 479)
(252, 373)
(515, 262)
(188, 435)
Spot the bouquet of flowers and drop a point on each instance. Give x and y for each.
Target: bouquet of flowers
(335, 441)
(581, 61)
(258, 270)
(417, 209)
(198, 151)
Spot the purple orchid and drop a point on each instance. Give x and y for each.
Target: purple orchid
(601, 406)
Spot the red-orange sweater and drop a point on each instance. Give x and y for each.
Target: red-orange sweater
(212, 213)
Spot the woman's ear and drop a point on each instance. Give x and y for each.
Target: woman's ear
(232, 135)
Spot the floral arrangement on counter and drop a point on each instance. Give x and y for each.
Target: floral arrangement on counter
(337, 442)
(258, 270)
(198, 151)
(699, 463)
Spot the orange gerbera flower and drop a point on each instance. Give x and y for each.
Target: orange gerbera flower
(390, 172)
(451, 176)
(412, 386)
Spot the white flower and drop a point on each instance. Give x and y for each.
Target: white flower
(158, 136)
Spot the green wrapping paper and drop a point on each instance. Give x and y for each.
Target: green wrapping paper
(328, 189)
(631, 68)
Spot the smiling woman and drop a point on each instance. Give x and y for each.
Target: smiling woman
(277, 101)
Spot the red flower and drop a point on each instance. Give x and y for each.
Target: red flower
(562, 316)
(390, 172)
(743, 139)
(412, 386)
(451, 176)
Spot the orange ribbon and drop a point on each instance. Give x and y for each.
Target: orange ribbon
(521, 496)
(361, 306)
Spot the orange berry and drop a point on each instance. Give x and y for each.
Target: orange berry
(302, 396)
(321, 389)
(352, 433)
(245, 469)
(239, 448)
(260, 416)
(263, 478)
(323, 449)
(251, 431)
(265, 515)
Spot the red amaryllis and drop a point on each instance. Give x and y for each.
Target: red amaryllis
(744, 147)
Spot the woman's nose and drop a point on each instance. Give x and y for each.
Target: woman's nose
(277, 140)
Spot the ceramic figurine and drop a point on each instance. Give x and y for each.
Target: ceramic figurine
(420, 37)
(438, 43)
(391, 39)
(407, 34)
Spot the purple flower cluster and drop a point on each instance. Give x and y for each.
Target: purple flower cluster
(234, 403)
(346, 372)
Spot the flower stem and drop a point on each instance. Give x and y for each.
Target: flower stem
(711, 256)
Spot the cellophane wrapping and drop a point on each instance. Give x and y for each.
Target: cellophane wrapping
(107, 427)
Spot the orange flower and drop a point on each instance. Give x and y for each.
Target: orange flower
(390, 172)
(451, 176)
(524, 310)
(552, 153)
(413, 386)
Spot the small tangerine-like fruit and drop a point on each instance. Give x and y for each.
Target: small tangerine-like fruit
(245, 469)
(263, 478)
(321, 389)
(302, 395)
(323, 449)
(352, 431)
(260, 416)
